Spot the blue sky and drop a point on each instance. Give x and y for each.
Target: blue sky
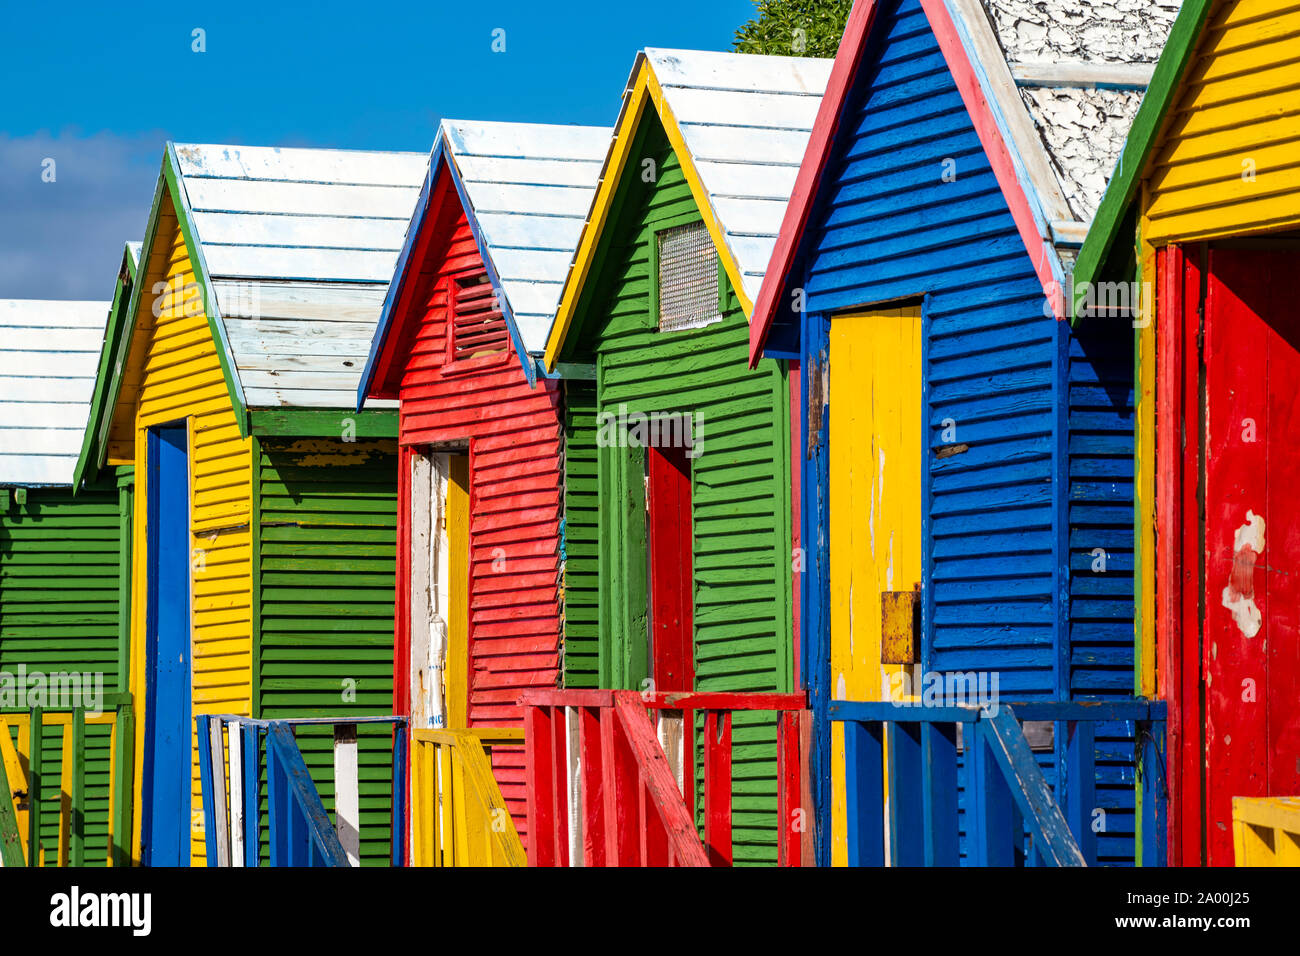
(100, 87)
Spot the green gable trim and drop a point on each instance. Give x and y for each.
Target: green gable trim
(1142, 140)
(184, 217)
(87, 467)
(322, 423)
(122, 324)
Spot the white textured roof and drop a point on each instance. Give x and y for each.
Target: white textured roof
(1079, 69)
(746, 120)
(49, 351)
(299, 245)
(530, 188)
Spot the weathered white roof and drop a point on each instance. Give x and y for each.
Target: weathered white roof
(299, 245)
(745, 120)
(529, 188)
(1080, 68)
(49, 351)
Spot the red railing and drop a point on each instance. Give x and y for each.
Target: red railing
(603, 785)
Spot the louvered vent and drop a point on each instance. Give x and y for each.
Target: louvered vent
(688, 278)
(478, 328)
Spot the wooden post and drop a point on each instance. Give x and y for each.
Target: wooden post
(717, 787)
(906, 837)
(939, 820)
(35, 745)
(1081, 785)
(347, 793)
(864, 792)
(77, 789)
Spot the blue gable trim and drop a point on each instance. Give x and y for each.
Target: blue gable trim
(439, 160)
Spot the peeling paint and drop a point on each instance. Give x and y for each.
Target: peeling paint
(1239, 595)
(1084, 130)
(1082, 31)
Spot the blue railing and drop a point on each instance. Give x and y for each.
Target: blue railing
(299, 829)
(1006, 794)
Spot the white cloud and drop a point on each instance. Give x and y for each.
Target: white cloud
(63, 239)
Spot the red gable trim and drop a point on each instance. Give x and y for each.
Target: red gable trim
(848, 60)
(820, 142)
(388, 369)
(992, 138)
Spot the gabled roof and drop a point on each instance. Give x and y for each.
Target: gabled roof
(1052, 88)
(47, 372)
(525, 189)
(1142, 139)
(87, 465)
(292, 250)
(739, 125)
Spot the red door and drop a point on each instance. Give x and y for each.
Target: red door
(672, 591)
(1248, 645)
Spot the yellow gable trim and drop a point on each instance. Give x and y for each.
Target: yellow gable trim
(645, 89)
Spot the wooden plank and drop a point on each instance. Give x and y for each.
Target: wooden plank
(1012, 761)
(1106, 76)
(717, 787)
(651, 767)
(939, 819)
(217, 777)
(347, 792)
(1080, 789)
(864, 799)
(235, 780)
(11, 842)
(305, 165)
(906, 796)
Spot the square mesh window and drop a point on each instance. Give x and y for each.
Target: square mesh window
(688, 278)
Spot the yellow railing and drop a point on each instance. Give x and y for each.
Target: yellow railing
(1266, 830)
(71, 785)
(458, 815)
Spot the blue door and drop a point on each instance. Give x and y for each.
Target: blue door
(166, 810)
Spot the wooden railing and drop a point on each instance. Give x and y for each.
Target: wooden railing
(1266, 831)
(607, 786)
(459, 817)
(1006, 794)
(24, 787)
(299, 829)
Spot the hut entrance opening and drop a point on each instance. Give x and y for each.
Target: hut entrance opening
(439, 589)
(1245, 637)
(166, 774)
(876, 449)
(669, 545)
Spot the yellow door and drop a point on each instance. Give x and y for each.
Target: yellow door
(876, 436)
(457, 669)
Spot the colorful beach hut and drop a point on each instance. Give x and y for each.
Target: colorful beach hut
(1198, 228)
(264, 528)
(678, 532)
(482, 447)
(65, 576)
(966, 461)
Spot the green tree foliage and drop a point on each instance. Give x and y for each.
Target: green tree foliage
(795, 28)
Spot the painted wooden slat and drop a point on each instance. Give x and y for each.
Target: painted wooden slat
(320, 303)
(302, 198)
(347, 792)
(527, 140)
(736, 71)
(531, 169)
(300, 165)
(329, 232)
(55, 314)
(316, 264)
